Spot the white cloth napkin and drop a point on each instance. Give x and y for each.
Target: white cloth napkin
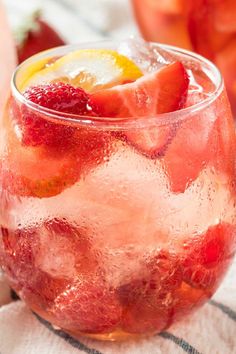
(211, 330)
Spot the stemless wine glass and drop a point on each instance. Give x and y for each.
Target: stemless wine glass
(102, 240)
(205, 26)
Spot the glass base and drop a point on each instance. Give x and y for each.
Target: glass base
(116, 336)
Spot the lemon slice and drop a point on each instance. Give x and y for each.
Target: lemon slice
(91, 69)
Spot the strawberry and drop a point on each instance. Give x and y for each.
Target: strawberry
(87, 306)
(17, 253)
(35, 36)
(34, 172)
(45, 246)
(160, 92)
(43, 259)
(61, 97)
(45, 157)
(147, 299)
(208, 256)
(201, 141)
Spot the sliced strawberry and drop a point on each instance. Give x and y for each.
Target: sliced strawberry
(38, 173)
(17, 253)
(35, 172)
(35, 36)
(203, 140)
(208, 257)
(41, 291)
(56, 247)
(162, 91)
(151, 142)
(155, 93)
(224, 158)
(41, 260)
(147, 300)
(87, 306)
(35, 181)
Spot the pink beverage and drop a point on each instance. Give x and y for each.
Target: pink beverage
(117, 187)
(7, 57)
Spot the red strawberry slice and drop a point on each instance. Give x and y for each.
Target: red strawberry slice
(208, 257)
(87, 306)
(205, 139)
(35, 36)
(42, 260)
(147, 300)
(151, 142)
(160, 92)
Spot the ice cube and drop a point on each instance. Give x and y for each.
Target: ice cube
(121, 200)
(63, 249)
(127, 202)
(205, 203)
(55, 255)
(147, 56)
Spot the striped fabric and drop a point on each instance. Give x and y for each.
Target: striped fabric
(212, 330)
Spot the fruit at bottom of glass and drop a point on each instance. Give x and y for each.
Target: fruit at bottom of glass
(168, 285)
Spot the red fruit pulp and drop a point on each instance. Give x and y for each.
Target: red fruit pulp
(42, 158)
(160, 92)
(36, 129)
(88, 306)
(171, 283)
(42, 260)
(206, 261)
(203, 140)
(148, 299)
(40, 36)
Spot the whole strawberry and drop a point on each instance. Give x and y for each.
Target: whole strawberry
(36, 129)
(35, 36)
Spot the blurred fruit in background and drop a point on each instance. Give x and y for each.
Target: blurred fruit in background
(35, 35)
(7, 56)
(29, 37)
(205, 26)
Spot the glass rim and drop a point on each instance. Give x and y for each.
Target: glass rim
(163, 118)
